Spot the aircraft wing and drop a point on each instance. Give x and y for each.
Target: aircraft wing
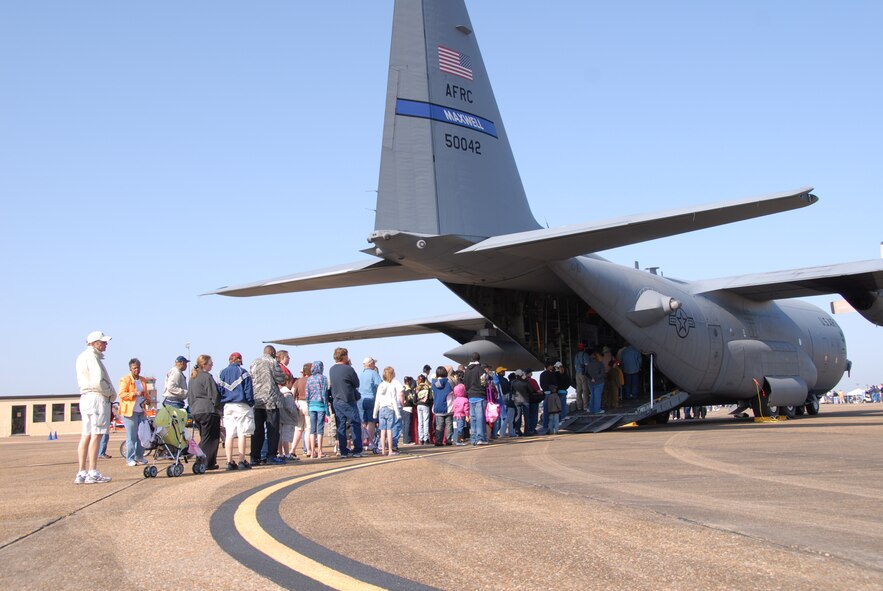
(460, 327)
(349, 275)
(577, 239)
(843, 278)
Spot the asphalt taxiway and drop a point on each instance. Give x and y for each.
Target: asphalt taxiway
(708, 504)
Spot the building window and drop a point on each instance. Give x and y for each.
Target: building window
(39, 415)
(58, 413)
(75, 411)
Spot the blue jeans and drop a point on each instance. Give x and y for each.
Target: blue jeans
(173, 402)
(477, 430)
(562, 395)
(367, 409)
(459, 423)
(102, 447)
(595, 393)
(317, 422)
(546, 410)
(347, 411)
(134, 451)
(632, 384)
(553, 422)
(532, 418)
(397, 428)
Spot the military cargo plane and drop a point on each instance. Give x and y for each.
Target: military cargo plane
(451, 207)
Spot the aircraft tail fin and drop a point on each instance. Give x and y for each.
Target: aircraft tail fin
(446, 164)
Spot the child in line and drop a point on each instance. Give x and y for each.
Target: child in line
(386, 409)
(461, 411)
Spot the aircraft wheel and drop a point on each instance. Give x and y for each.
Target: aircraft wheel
(178, 469)
(799, 410)
(785, 411)
(812, 407)
(761, 408)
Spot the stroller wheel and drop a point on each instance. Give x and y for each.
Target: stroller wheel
(147, 471)
(170, 471)
(153, 471)
(123, 449)
(199, 468)
(178, 469)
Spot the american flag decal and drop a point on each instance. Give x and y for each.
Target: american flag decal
(454, 62)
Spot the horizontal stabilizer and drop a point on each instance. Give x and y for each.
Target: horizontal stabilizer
(578, 239)
(350, 275)
(460, 327)
(843, 278)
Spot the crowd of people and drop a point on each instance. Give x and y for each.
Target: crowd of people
(286, 416)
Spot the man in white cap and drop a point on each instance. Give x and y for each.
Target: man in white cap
(96, 394)
(369, 381)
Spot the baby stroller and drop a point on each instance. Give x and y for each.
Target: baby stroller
(168, 440)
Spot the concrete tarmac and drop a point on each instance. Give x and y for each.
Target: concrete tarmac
(713, 504)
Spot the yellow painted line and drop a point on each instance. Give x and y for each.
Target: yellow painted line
(246, 521)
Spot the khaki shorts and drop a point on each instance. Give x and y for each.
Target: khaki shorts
(95, 413)
(303, 411)
(238, 419)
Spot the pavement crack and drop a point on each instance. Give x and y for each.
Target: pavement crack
(63, 517)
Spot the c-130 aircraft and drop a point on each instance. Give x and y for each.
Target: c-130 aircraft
(451, 207)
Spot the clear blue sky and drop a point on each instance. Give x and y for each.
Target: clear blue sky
(150, 152)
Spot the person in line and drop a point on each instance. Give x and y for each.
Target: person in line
(203, 398)
(317, 395)
(461, 411)
(549, 386)
(612, 384)
(237, 400)
(134, 400)
(266, 376)
(443, 407)
(563, 385)
(553, 406)
(505, 394)
(521, 399)
(345, 396)
(582, 381)
(386, 409)
(536, 399)
(409, 406)
(302, 437)
(476, 390)
(287, 420)
(630, 359)
(369, 380)
(595, 372)
(96, 393)
(424, 404)
(175, 389)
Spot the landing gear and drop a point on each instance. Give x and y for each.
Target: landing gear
(812, 405)
(760, 406)
(800, 410)
(785, 411)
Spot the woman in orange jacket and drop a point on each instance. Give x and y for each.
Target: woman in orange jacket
(134, 400)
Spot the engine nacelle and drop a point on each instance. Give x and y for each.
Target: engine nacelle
(868, 303)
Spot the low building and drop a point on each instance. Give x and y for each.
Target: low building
(40, 415)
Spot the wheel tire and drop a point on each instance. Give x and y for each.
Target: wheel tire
(123, 449)
(170, 471)
(201, 467)
(785, 411)
(153, 471)
(147, 471)
(178, 469)
(800, 410)
(812, 407)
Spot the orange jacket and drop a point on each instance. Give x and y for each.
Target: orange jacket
(129, 393)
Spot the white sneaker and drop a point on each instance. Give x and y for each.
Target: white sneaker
(131, 463)
(141, 461)
(80, 478)
(96, 478)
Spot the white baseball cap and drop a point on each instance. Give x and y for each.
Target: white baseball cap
(369, 361)
(96, 335)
